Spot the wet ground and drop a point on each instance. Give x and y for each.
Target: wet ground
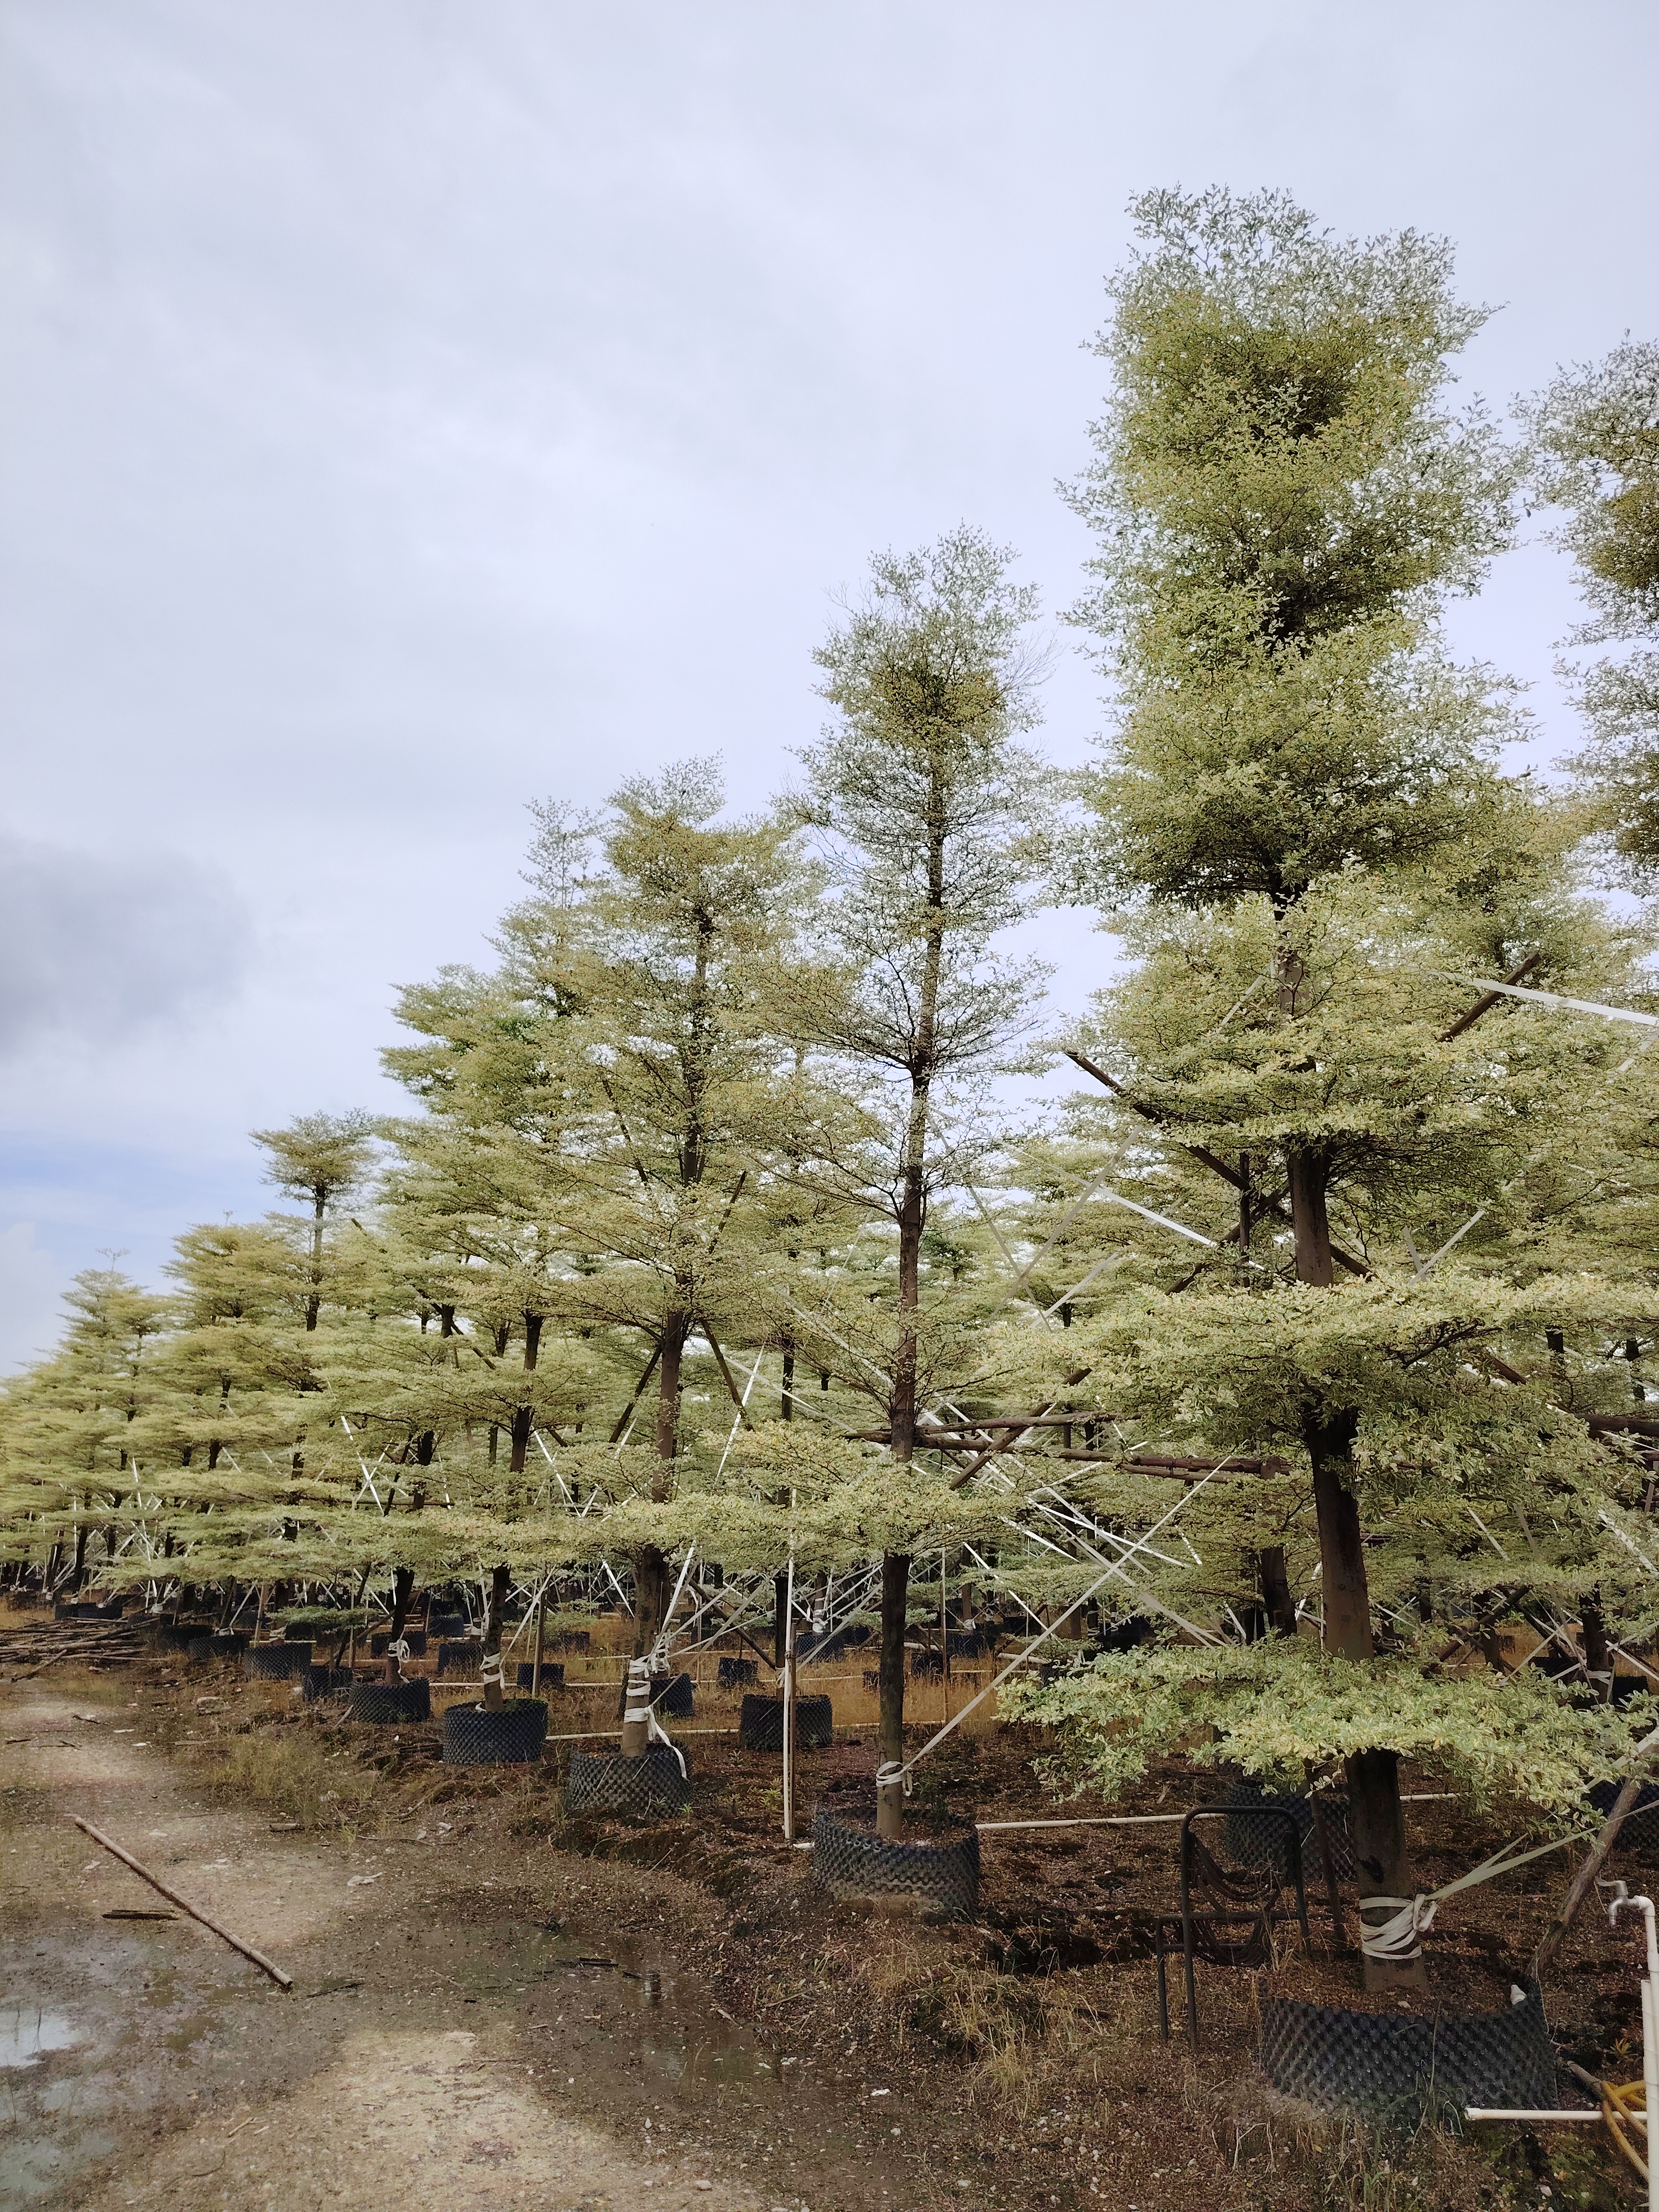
(459, 2025)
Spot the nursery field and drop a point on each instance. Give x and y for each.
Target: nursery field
(489, 1997)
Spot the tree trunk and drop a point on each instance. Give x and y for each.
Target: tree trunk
(500, 1583)
(1598, 1659)
(403, 1596)
(524, 1416)
(651, 1578)
(1277, 1603)
(895, 1590)
(1378, 1819)
(314, 1301)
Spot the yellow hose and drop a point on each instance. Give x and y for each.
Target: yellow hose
(1625, 2103)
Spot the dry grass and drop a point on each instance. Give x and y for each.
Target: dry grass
(291, 1772)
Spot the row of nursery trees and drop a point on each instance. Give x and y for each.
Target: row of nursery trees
(714, 1226)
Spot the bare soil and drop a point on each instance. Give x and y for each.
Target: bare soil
(496, 2006)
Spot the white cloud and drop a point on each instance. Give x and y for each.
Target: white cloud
(29, 1316)
(99, 946)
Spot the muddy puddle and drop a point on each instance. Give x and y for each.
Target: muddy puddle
(680, 2033)
(143, 2026)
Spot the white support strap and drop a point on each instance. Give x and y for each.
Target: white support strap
(638, 1707)
(1396, 1938)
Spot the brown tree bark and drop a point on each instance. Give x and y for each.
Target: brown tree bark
(1277, 1603)
(651, 1576)
(1375, 1811)
(402, 1597)
(524, 1416)
(500, 1581)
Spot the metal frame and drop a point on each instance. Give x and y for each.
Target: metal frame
(1263, 1916)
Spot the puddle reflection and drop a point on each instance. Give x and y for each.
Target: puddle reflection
(28, 2033)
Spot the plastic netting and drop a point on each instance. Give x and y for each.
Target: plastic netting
(325, 1682)
(649, 1788)
(677, 1700)
(460, 1658)
(552, 1674)
(219, 1645)
(415, 1638)
(851, 1860)
(1254, 1841)
(821, 1650)
(513, 1737)
(733, 1673)
(382, 1703)
(1393, 2063)
(277, 1662)
(760, 1724)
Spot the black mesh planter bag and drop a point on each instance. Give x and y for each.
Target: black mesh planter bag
(1253, 1841)
(552, 1674)
(851, 1860)
(325, 1682)
(277, 1662)
(733, 1673)
(760, 1724)
(383, 1703)
(649, 1788)
(225, 1645)
(675, 1698)
(1400, 2068)
(459, 1658)
(415, 1638)
(513, 1737)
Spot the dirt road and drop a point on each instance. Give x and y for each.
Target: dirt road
(478, 2025)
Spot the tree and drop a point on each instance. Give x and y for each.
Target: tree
(321, 1158)
(933, 816)
(1301, 803)
(67, 1429)
(610, 1106)
(1595, 444)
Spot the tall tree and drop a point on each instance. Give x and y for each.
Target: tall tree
(320, 1157)
(1596, 443)
(933, 815)
(1282, 496)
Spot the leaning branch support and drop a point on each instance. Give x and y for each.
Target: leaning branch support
(1584, 1880)
(283, 1981)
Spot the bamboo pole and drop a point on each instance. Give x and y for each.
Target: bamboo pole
(283, 1981)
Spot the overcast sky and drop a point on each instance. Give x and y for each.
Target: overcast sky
(415, 407)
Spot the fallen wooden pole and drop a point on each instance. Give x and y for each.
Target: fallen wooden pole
(283, 1981)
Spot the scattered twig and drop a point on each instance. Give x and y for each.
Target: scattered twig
(283, 1981)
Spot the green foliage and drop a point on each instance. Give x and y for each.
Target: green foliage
(1594, 436)
(1280, 490)
(1285, 1712)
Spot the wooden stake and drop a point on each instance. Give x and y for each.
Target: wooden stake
(283, 1981)
(1584, 1880)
